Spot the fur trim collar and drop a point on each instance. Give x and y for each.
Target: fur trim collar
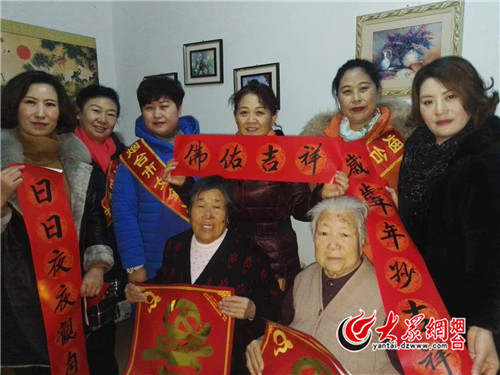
(400, 110)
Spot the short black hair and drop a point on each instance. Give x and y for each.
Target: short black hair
(97, 91)
(262, 91)
(366, 65)
(155, 88)
(15, 90)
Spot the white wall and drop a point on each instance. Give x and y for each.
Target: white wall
(310, 40)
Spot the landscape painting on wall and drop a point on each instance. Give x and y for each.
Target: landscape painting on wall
(70, 57)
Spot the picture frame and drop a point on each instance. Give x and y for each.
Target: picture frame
(268, 74)
(401, 41)
(172, 75)
(70, 57)
(203, 62)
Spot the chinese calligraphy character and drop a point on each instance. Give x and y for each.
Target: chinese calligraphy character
(367, 191)
(270, 164)
(149, 170)
(45, 193)
(385, 331)
(311, 157)
(414, 310)
(58, 263)
(378, 155)
(72, 364)
(65, 332)
(141, 159)
(55, 229)
(379, 201)
(440, 360)
(64, 299)
(232, 159)
(132, 149)
(401, 273)
(196, 155)
(355, 165)
(392, 233)
(412, 332)
(393, 143)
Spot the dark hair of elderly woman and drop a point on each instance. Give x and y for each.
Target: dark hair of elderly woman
(219, 256)
(37, 119)
(328, 291)
(365, 65)
(448, 197)
(263, 92)
(15, 90)
(97, 91)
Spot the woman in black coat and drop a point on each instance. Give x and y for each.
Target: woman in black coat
(448, 197)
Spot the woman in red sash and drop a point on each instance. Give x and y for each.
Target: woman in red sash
(98, 111)
(448, 197)
(356, 89)
(262, 209)
(37, 124)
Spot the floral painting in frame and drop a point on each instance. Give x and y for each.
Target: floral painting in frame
(399, 42)
(70, 57)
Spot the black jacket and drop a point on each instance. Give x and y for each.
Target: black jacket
(459, 238)
(23, 332)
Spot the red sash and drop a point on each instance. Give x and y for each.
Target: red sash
(110, 181)
(148, 169)
(386, 152)
(405, 284)
(180, 330)
(56, 257)
(288, 351)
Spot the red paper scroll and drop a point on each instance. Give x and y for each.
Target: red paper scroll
(147, 168)
(56, 257)
(180, 330)
(404, 281)
(299, 159)
(286, 351)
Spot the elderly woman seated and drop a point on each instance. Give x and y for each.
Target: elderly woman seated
(340, 283)
(210, 254)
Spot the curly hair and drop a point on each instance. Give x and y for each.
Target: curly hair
(458, 75)
(15, 90)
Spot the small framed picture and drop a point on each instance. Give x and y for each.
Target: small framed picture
(268, 74)
(203, 63)
(172, 75)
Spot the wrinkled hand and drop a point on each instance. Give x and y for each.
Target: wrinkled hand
(134, 294)
(238, 307)
(167, 174)
(92, 282)
(337, 189)
(138, 276)
(482, 351)
(11, 178)
(393, 195)
(255, 362)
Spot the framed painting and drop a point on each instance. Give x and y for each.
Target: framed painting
(203, 63)
(70, 57)
(268, 74)
(172, 75)
(401, 41)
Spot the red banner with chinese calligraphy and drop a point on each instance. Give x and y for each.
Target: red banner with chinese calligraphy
(405, 284)
(298, 159)
(148, 169)
(286, 351)
(180, 330)
(56, 257)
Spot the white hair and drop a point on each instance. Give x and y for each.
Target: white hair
(340, 205)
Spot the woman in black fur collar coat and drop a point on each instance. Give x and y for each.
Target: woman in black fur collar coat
(448, 197)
